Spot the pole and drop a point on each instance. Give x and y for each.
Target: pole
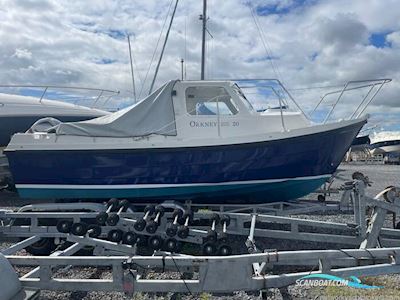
(203, 45)
(182, 61)
(133, 77)
(163, 48)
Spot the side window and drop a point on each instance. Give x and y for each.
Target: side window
(209, 100)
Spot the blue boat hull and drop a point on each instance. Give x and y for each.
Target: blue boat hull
(267, 171)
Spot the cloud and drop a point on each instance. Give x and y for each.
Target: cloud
(394, 39)
(22, 53)
(344, 32)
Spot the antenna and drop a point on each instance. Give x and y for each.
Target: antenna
(182, 61)
(203, 17)
(185, 47)
(133, 77)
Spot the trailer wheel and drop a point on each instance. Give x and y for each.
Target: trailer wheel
(149, 208)
(44, 247)
(95, 230)
(151, 227)
(155, 242)
(140, 225)
(113, 203)
(171, 245)
(64, 226)
(115, 235)
(171, 230)
(142, 240)
(79, 229)
(129, 238)
(209, 249)
(223, 238)
(226, 219)
(101, 218)
(183, 232)
(112, 219)
(224, 250)
(124, 204)
(212, 236)
(177, 213)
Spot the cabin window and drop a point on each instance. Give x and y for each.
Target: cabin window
(209, 100)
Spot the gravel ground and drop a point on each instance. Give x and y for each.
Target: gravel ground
(381, 176)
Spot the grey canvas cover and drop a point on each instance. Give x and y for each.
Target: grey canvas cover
(153, 115)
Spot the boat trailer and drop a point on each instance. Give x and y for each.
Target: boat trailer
(190, 247)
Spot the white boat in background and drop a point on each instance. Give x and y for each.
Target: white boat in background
(385, 142)
(18, 113)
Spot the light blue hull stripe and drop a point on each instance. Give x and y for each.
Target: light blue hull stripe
(268, 192)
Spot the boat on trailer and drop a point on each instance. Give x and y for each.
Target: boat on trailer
(385, 142)
(192, 140)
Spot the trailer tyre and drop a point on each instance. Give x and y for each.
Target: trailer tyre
(129, 238)
(209, 249)
(64, 226)
(224, 250)
(113, 203)
(149, 209)
(142, 240)
(171, 230)
(171, 245)
(160, 210)
(216, 218)
(140, 225)
(177, 213)
(44, 247)
(95, 230)
(188, 214)
(101, 218)
(79, 229)
(155, 242)
(151, 227)
(211, 236)
(113, 219)
(124, 204)
(115, 235)
(223, 237)
(183, 232)
(226, 219)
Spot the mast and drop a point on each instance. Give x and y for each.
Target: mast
(133, 77)
(203, 17)
(163, 48)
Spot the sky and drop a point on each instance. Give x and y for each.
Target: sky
(306, 43)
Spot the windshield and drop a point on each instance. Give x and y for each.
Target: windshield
(243, 97)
